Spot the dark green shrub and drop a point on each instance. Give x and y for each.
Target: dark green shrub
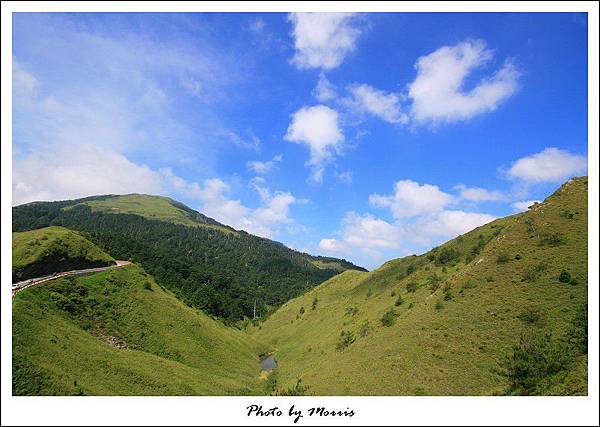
(352, 310)
(447, 255)
(536, 357)
(434, 282)
(364, 329)
(502, 259)
(399, 301)
(564, 277)
(578, 334)
(410, 269)
(476, 249)
(301, 310)
(552, 239)
(531, 227)
(530, 315)
(147, 286)
(389, 317)
(412, 287)
(439, 305)
(531, 274)
(315, 301)
(346, 339)
(567, 214)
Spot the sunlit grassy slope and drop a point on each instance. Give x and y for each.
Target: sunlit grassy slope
(462, 308)
(154, 207)
(53, 249)
(69, 337)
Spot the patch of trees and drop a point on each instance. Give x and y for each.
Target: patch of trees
(539, 356)
(447, 256)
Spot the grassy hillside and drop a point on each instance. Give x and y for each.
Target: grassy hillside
(53, 249)
(155, 207)
(206, 264)
(501, 309)
(118, 332)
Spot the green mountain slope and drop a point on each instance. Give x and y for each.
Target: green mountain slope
(501, 309)
(53, 249)
(155, 207)
(118, 332)
(206, 264)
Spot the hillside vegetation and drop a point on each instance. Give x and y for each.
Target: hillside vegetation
(499, 310)
(53, 249)
(119, 333)
(206, 264)
(155, 207)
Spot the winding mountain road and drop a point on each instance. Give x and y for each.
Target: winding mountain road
(19, 286)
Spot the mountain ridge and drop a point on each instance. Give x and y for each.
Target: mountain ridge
(211, 266)
(498, 310)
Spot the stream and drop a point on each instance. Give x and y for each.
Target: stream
(268, 363)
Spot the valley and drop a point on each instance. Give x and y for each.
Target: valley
(466, 318)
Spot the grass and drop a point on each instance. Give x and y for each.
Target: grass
(331, 264)
(449, 339)
(152, 207)
(462, 315)
(67, 334)
(53, 249)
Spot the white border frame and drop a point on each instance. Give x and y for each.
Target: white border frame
(231, 410)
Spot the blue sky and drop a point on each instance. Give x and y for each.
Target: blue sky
(364, 136)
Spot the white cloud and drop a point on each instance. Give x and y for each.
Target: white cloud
(421, 219)
(25, 84)
(411, 199)
(252, 142)
(217, 205)
(277, 209)
(368, 231)
(318, 128)
(477, 194)
(63, 172)
(324, 91)
(365, 233)
(95, 131)
(259, 167)
(451, 223)
(73, 171)
(333, 246)
(524, 205)
(386, 106)
(369, 239)
(112, 98)
(344, 177)
(438, 92)
(322, 40)
(266, 220)
(257, 26)
(550, 165)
